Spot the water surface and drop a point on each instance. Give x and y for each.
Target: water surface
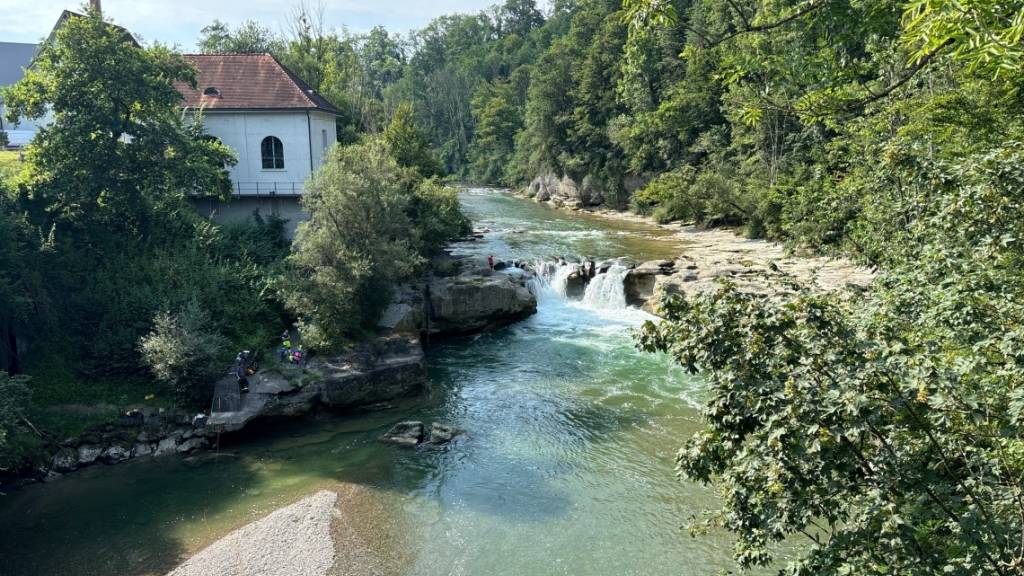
(566, 466)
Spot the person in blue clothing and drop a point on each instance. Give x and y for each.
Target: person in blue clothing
(241, 360)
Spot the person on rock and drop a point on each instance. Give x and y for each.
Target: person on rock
(240, 372)
(490, 262)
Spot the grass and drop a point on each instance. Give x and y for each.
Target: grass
(9, 163)
(66, 405)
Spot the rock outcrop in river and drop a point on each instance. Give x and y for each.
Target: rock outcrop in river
(460, 296)
(375, 371)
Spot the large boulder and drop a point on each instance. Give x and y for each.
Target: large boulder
(65, 460)
(88, 453)
(375, 371)
(639, 283)
(116, 453)
(475, 302)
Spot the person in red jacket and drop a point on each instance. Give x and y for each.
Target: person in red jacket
(490, 262)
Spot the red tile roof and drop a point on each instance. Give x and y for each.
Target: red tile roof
(248, 82)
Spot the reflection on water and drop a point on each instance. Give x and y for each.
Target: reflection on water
(566, 466)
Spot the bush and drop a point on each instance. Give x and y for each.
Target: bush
(183, 353)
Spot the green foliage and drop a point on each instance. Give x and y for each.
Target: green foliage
(15, 401)
(185, 353)
(408, 146)
(498, 117)
(371, 220)
(438, 216)
(885, 427)
(248, 38)
(97, 236)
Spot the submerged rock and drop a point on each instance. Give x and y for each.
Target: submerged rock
(442, 434)
(408, 433)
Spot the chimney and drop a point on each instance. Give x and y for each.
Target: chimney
(96, 6)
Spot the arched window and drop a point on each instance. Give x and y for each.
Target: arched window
(273, 153)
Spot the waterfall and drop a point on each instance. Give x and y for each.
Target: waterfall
(607, 290)
(553, 275)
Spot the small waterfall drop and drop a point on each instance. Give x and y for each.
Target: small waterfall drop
(607, 290)
(553, 276)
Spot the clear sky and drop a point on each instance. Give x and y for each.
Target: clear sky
(179, 21)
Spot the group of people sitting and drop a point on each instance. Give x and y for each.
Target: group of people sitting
(286, 353)
(246, 364)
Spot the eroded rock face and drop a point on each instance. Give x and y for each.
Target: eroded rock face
(477, 300)
(639, 283)
(565, 191)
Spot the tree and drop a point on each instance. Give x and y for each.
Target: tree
(498, 118)
(884, 427)
(248, 38)
(408, 146)
(15, 400)
(354, 246)
(111, 160)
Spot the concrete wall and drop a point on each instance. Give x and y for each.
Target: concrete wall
(239, 209)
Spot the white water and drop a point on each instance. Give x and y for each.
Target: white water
(607, 290)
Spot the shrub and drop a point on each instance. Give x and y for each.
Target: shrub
(184, 353)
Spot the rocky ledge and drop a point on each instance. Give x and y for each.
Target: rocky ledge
(145, 432)
(461, 295)
(711, 255)
(375, 371)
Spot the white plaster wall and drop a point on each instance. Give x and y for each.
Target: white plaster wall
(21, 132)
(244, 132)
(323, 134)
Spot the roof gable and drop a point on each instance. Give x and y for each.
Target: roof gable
(248, 82)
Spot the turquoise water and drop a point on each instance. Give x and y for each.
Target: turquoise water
(566, 466)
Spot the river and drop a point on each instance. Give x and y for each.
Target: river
(567, 466)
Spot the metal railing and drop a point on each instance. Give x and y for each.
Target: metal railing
(260, 189)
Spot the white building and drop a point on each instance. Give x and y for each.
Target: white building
(277, 125)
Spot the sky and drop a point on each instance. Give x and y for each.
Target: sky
(177, 22)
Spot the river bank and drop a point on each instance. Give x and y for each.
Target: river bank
(456, 297)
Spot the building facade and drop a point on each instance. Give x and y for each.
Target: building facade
(278, 126)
